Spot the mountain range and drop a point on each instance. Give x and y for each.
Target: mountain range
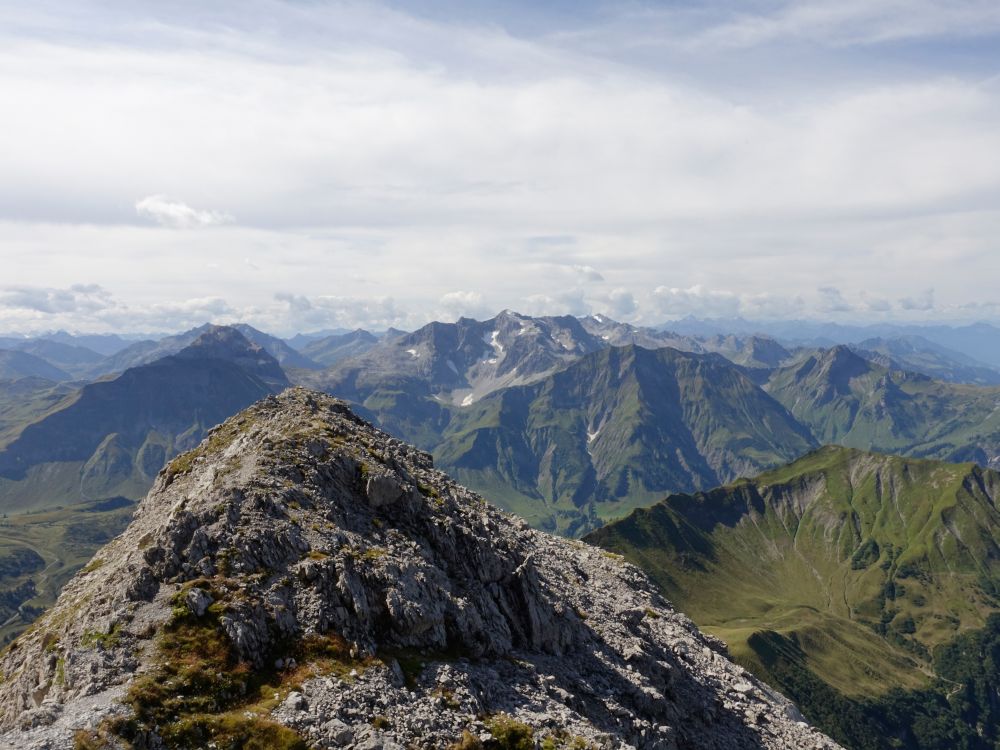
(859, 583)
(846, 399)
(978, 341)
(566, 421)
(111, 437)
(302, 579)
(851, 581)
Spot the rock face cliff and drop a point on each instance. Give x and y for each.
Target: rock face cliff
(304, 580)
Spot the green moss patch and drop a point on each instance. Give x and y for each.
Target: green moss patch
(218, 441)
(200, 694)
(511, 734)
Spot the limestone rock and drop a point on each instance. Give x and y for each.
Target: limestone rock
(198, 601)
(383, 604)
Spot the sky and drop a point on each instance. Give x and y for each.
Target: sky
(311, 165)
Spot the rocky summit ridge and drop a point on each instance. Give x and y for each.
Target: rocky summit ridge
(302, 579)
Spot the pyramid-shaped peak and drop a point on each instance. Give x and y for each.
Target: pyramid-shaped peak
(227, 343)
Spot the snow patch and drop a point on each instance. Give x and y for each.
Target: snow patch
(493, 341)
(592, 435)
(412, 353)
(452, 366)
(470, 399)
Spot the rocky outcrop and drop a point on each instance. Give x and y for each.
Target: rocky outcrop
(308, 581)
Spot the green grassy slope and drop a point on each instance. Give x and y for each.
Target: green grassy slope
(27, 400)
(837, 577)
(41, 551)
(112, 437)
(842, 398)
(616, 430)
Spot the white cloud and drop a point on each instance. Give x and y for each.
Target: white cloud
(76, 299)
(697, 301)
(852, 22)
(875, 304)
(621, 304)
(587, 273)
(459, 304)
(372, 155)
(832, 300)
(173, 213)
(90, 307)
(922, 302)
(299, 313)
(569, 302)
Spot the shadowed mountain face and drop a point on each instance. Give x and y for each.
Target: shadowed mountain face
(144, 352)
(285, 355)
(112, 437)
(302, 579)
(917, 354)
(843, 398)
(26, 400)
(617, 429)
(461, 362)
(18, 364)
(330, 350)
(74, 360)
(838, 579)
(228, 344)
(675, 422)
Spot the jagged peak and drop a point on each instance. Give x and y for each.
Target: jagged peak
(304, 547)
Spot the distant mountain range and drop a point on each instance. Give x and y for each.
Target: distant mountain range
(917, 354)
(980, 341)
(966, 354)
(330, 350)
(567, 421)
(18, 364)
(844, 398)
(572, 422)
(841, 578)
(618, 428)
(111, 437)
(517, 407)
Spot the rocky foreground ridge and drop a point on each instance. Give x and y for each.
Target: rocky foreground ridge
(304, 580)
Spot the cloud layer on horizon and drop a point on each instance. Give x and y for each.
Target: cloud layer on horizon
(645, 162)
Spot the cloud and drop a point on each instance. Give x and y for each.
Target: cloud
(361, 134)
(369, 151)
(853, 22)
(621, 304)
(295, 313)
(90, 307)
(460, 304)
(832, 300)
(79, 298)
(587, 273)
(297, 303)
(875, 304)
(920, 302)
(177, 215)
(569, 302)
(697, 301)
